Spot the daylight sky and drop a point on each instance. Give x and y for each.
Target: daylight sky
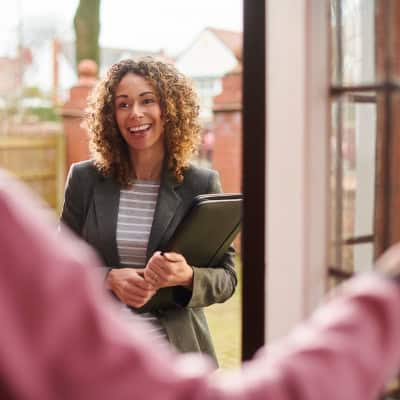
(144, 24)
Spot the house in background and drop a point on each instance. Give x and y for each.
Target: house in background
(53, 68)
(212, 54)
(214, 63)
(11, 72)
(64, 57)
(108, 55)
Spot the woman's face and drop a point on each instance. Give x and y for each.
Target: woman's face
(138, 115)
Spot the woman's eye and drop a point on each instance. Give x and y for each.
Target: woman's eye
(148, 101)
(123, 105)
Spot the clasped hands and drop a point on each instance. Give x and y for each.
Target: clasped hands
(136, 286)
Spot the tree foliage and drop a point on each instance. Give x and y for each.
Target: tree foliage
(87, 30)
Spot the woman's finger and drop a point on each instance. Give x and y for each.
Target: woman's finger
(152, 277)
(173, 257)
(139, 287)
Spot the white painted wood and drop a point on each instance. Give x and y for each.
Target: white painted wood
(297, 161)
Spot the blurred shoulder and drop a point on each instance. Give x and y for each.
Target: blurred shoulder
(196, 172)
(200, 180)
(85, 169)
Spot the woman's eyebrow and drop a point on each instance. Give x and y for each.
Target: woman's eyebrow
(144, 93)
(140, 95)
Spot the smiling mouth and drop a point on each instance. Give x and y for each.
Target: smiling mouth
(139, 130)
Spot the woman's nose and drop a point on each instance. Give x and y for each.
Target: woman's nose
(136, 111)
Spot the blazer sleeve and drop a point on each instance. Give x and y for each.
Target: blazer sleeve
(210, 285)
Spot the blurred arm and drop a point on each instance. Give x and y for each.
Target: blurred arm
(60, 339)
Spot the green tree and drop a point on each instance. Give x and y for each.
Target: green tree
(87, 30)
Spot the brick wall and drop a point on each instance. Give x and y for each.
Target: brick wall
(227, 156)
(227, 127)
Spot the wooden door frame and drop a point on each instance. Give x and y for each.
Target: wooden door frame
(253, 178)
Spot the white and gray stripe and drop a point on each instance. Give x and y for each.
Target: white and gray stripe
(135, 218)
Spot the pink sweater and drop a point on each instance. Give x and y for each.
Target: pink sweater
(60, 339)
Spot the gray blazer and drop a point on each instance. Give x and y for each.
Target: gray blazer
(91, 210)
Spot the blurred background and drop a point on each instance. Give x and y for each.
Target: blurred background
(43, 89)
(51, 56)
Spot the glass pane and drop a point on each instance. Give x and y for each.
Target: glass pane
(335, 190)
(352, 176)
(353, 41)
(358, 150)
(363, 255)
(335, 34)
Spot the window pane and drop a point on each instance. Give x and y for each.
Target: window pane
(358, 149)
(352, 177)
(353, 41)
(335, 185)
(363, 255)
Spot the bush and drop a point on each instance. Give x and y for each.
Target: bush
(44, 113)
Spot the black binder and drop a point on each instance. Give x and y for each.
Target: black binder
(208, 229)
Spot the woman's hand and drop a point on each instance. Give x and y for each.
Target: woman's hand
(129, 285)
(168, 269)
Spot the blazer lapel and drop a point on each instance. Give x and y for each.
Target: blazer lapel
(106, 197)
(167, 204)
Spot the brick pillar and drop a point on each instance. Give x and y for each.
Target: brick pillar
(227, 155)
(227, 127)
(72, 112)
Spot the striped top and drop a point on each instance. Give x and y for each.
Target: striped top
(135, 218)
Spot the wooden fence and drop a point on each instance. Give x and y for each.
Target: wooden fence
(39, 161)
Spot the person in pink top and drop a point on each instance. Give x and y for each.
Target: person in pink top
(60, 339)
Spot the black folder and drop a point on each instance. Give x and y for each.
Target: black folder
(208, 229)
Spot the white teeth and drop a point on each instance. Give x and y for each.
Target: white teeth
(139, 128)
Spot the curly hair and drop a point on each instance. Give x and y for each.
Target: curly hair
(179, 110)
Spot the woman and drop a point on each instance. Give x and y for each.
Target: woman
(128, 200)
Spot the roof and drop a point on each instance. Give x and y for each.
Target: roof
(233, 40)
(110, 55)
